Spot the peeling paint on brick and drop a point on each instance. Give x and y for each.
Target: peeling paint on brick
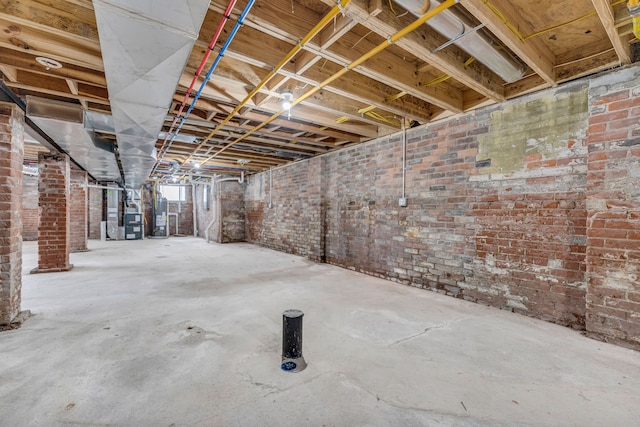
(11, 150)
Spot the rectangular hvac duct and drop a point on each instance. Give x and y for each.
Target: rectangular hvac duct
(145, 46)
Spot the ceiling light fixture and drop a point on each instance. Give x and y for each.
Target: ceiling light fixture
(286, 101)
(48, 62)
(197, 165)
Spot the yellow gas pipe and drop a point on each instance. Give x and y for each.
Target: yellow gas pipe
(376, 50)
(633, 6)
(314, 31)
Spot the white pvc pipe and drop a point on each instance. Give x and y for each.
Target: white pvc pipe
(240, 180)
(404, 159)
(213, 209)
(195, 215)
(213, 185)
(270, 187)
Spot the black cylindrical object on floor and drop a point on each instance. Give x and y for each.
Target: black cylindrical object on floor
(292, 360)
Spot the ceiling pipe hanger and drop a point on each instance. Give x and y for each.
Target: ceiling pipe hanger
(382, 46)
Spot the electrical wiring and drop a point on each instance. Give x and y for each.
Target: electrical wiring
(515, 31)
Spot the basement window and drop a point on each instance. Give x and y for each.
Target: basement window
(173, 193)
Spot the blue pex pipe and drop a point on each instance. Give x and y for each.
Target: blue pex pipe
(224, 48)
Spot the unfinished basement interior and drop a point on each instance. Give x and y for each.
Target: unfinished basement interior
(442, 197)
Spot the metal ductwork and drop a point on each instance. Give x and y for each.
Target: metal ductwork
(468, 39)
(103, 123)
(145, 45)
(72, 129)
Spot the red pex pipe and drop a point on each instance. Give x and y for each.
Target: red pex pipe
(225, 17)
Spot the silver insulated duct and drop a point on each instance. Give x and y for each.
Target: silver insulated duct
(145, 46)
(72, 129)
(468, 39)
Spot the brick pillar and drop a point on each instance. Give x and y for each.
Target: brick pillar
(79, 211)
(54, 230)
(11, 156)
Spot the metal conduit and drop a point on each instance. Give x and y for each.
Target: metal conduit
(225, 17)
(224, 48)
(338, 8)
(382, 46)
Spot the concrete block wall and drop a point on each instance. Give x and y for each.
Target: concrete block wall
(78, 210)
(30, 212)
(499, 204)
(11, 157)
(613, 205)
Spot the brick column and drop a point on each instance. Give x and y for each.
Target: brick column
(54, 230)
(79, 212)
(11, 157)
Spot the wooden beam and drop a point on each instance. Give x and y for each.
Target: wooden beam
(25, 60)
(342, 25)
(41, 43)
(371, 92)
(289, 124)
(375, 7)
(58, 93)
(305, 60)
(73, 87)
(394, 72)
(422, 43)
(10, 72)
(533, 52)
(387, 67)
(622, 48)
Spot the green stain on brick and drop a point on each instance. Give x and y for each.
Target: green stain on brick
(540, 126)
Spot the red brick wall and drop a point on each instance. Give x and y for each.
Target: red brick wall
(613, 202)
(96, 202)
(532, 206)
(499, 227)
(54, 230)
(30, 213)
(79, 211)
(293, 223)
(11, 156)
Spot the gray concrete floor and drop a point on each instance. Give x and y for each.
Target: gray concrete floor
(177, 332)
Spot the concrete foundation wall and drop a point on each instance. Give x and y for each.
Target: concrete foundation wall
(497, 208)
